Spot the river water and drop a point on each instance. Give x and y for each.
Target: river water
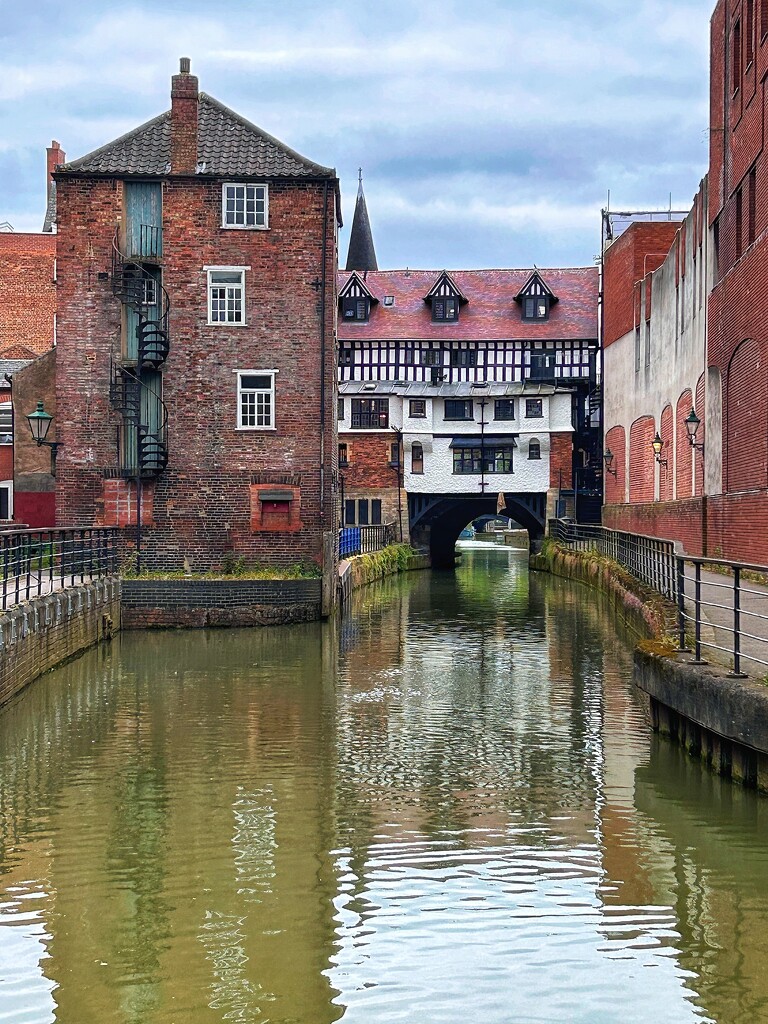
(444, 808)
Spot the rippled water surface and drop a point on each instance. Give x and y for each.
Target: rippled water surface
(444, 808)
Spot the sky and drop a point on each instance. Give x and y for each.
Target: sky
(489, 134)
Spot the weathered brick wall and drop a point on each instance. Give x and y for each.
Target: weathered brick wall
(34, 486)
(237, 602)
(38, 635)
(201, 504)
(27, 294)
(737, 527)
(638, 251)
(672, 520)
(642, 466)
(561, 459)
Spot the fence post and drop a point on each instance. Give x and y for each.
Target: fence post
(737, 673)
(681, 604)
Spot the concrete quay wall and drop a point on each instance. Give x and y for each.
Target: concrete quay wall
(723, 721)
(40, 634)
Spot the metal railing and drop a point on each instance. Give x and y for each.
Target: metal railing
(37, 562)
(651, 560)
(362, 540)
(721, 606)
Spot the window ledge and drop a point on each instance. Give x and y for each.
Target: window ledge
(253, 430)
(245, 227)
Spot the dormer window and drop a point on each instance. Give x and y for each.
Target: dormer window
(445, 299)
(536, 308)
(535, 299)
(444, 309)
(355, 310)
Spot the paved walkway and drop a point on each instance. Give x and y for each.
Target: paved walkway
(717, 620)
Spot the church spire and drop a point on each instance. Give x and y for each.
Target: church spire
(361, 254)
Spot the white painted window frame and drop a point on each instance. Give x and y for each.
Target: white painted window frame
(241, 391)
(210, 271)
(245, 186)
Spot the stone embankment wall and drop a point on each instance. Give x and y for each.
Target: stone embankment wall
(43, 633)
(148, 603)
(361, 570)
(723, 721)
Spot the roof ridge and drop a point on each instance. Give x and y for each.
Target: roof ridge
(325, 171)
(72, 165)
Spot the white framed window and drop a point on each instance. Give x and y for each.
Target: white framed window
(226, 295)
(256, 399)
(6, 423)
(244, 206)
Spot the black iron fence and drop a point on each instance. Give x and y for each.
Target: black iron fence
(37, 562)
(649, 559)
(361, 540)
(722, 606)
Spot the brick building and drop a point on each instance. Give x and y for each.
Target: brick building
(195, 371)
(712, 496)
(456, 387)
(655, 285)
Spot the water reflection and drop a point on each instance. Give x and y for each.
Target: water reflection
(446, 806)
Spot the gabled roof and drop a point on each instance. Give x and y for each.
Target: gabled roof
(227, 145)
(492, 313)
(361, 254)
(356, 285)
(536, 285)
(445, 285)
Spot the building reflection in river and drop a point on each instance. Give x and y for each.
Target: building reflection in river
(445, 806)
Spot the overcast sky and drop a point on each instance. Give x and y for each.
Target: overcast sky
(487, 139)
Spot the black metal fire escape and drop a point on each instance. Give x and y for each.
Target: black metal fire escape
(135, 390)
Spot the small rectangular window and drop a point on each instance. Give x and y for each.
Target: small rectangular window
(445, 308)
(340, 409)
(362, 512)
(345, 357)
(417, 408)
(370, 413)
(736, 57)
(343, 455)
(244, 206)
(432, 357)
(463, 357)
(355, 309)
(6, 423)
(533, 408)
(504, 409)
(751, 207)
(375, 511)
(417, 458)
(226, 296)
(458, 409)
(349, 512)
(394, 453)
(256, 399)
(738, 224)
(637, 349)
(536, 307)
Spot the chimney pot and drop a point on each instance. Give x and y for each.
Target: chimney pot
(184, 99)
(184, 65)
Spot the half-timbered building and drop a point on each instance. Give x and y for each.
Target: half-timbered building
(456, 387)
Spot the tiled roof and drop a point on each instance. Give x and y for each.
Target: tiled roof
(491, 313)
(11, 366)
(461, 389)
(227, 144)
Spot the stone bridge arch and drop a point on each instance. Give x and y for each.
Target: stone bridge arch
(436, 520)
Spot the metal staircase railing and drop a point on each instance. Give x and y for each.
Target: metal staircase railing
(130, 389)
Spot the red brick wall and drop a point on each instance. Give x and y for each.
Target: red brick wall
(27, 294)
(560, 459)
(202, 502)
(641, 460)
(701, 412)
(641, 249)
(683, 452)
(674, 520)
(737, 527)
(666, 473)
(615, 486)
(36, 509)
(369, 460)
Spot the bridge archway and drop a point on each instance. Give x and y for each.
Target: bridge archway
(436, 520)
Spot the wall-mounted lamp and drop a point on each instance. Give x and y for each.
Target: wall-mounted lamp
(608, 460)
(39, 425)
(692, 422)
(657, 444)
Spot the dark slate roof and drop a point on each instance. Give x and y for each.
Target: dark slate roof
(227, 145)
(11, 366)
(50, 210)
(361, 254)
(491, 312)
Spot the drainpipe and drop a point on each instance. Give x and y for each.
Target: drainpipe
(323, 279)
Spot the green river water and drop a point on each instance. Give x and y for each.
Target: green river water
(444, 808)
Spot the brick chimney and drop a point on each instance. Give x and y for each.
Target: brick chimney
(183, 120)
(55, 155)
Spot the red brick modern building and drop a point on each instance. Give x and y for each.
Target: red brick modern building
(195, 370)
